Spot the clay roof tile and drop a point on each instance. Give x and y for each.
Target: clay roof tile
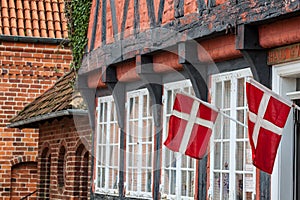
(5, 17)
(20, 18)
(37, 18)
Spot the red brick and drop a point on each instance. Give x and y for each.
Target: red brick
(19, 86)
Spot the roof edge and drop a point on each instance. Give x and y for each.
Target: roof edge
(25, 123)
(11, 38)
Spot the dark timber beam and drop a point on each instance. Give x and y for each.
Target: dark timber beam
(247, 41)
(109, 77)
(144, 67)
(197, 73)
(95, 23)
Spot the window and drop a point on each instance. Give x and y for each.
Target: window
(107, 146)
(139, 144)
(45, 172)
(81, 171)
(178, 170)
(232, 175)
(61, 168)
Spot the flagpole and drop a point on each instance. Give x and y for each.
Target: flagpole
(236, 121)
(296, 107)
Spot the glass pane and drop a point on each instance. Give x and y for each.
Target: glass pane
(149, 156)
(218, 97)
(173, 181)
(103, 177)
(249, 186)
(226, 154)
(166, 181)
(167, 158)
(99, 177)
(226, 126)
(227, 93)
(112, 114)
(239, 186)
(240, 128)
(217, 154)
(239, 155)
(240, 92)
(149, 178)
(105, 112)
(248, 164)
(183, 161)
(145, 106)
(169, 102)
(183, 183)
(150, 130)
(191, 163)
(217, 180)
(217, 130)
(191, 184)
(225, 178)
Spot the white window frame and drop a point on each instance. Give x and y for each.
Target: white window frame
(179, 85)
(142, 132)
(233, 76)
(283, 82)
(104, 134)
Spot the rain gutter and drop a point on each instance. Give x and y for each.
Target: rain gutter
(32, 120)
(10, 38)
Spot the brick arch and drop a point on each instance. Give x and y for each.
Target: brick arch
(43, 148)
(22, 159)
(82, 141)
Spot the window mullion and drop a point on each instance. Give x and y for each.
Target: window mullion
(233, 104)
(97, 147)
(178, 175)
(139, 146)
(107, 144)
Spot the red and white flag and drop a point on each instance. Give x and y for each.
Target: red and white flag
(190, 126)
(268, 113)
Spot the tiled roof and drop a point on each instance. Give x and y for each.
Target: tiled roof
(33, 18)
(61, 96)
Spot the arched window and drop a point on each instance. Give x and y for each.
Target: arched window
(81, 171)
(79, 151)
(84, 177)
(61, 168)
(45, 172)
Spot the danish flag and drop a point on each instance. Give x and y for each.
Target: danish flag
(268, 113)
(190, 126)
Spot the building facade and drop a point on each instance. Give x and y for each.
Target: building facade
(63, 159)
(141, 53)
(32, 58)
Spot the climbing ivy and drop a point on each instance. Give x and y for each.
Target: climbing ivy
(78, 13)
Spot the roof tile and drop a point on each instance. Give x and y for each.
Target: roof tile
(60, 96)
(37, 18)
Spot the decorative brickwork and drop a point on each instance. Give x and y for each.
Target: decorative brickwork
(26, 71)
(61, 138)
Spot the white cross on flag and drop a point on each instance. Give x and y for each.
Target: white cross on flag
(267, 116)
(190, 126)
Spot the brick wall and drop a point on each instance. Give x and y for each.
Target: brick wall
(21, 176)
(69, 176)
(26, 71)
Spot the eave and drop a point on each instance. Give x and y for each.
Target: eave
(33, 122)
(198, 26)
